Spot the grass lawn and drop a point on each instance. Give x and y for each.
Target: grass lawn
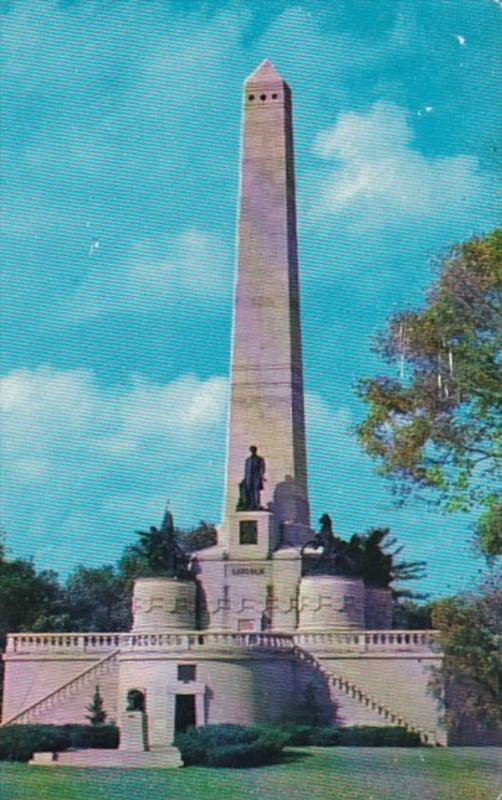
(310, 773)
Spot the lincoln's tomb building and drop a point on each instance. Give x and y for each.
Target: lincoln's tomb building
(259, 624)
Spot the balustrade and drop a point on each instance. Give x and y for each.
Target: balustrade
(83, 643)
(95, 643)
(363, 641)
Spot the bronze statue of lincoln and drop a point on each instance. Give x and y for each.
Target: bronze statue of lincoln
(252, 485)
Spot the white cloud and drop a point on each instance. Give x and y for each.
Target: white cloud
(38, 405)
(181, 414)
(322, 417)
(195, 261)
(46, 412)
(381, 177)
(108, 457)
(192, 267)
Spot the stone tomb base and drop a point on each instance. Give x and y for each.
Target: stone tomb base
(169, 757)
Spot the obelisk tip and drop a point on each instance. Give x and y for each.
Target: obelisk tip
(265, 73)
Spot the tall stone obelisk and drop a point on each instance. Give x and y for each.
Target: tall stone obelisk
(267, 408)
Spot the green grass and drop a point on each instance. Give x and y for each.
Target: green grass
(310, 773)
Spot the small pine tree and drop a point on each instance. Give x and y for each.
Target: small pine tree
(309, 710)
(97, 715)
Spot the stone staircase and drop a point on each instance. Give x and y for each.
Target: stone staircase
(86, 678)
(354, 692)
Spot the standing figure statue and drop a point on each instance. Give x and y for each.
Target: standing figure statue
(252, 485)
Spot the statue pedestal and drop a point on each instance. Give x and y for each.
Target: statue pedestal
(161, 604)
(250, 534)
(133, 729)
(330, 603)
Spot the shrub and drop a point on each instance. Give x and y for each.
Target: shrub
(369, 736)
(259, 746)
(355, 736)
(195, 743)
(298, 734)
(305, 735)
(236, 746)
(326, 736)
(230, 745)
(19, 742)
(100, 737)
(191, 746)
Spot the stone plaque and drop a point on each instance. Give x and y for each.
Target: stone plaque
(248, 531)
(248, 571)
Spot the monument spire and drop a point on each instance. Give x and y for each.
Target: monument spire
(267, 407)
(264, 73)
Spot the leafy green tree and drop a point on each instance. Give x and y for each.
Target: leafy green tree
(437, 424)
(98, 599)
(470, 678)
(97, 714)
(203, 535)
(309, 709)
(26, 596)
(489, 526)
(379, 567)
(28, 599)
(408, 614)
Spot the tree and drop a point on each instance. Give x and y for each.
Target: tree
(489, 526)
(437, 426)
(470, 678)
(28, 599)
(26, 596)
(378, 566)
(411, 615)
(97, 714)
(157, 554)
(309, 710)
(98, 599)
(203, 535)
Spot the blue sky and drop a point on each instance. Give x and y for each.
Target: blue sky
(121, 124)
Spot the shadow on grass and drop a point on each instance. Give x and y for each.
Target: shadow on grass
(287, 757)
(291, 756)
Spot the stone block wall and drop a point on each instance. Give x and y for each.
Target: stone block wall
(398, 682)
(27, 681)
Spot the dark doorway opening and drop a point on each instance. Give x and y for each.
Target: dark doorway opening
(185, 712)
